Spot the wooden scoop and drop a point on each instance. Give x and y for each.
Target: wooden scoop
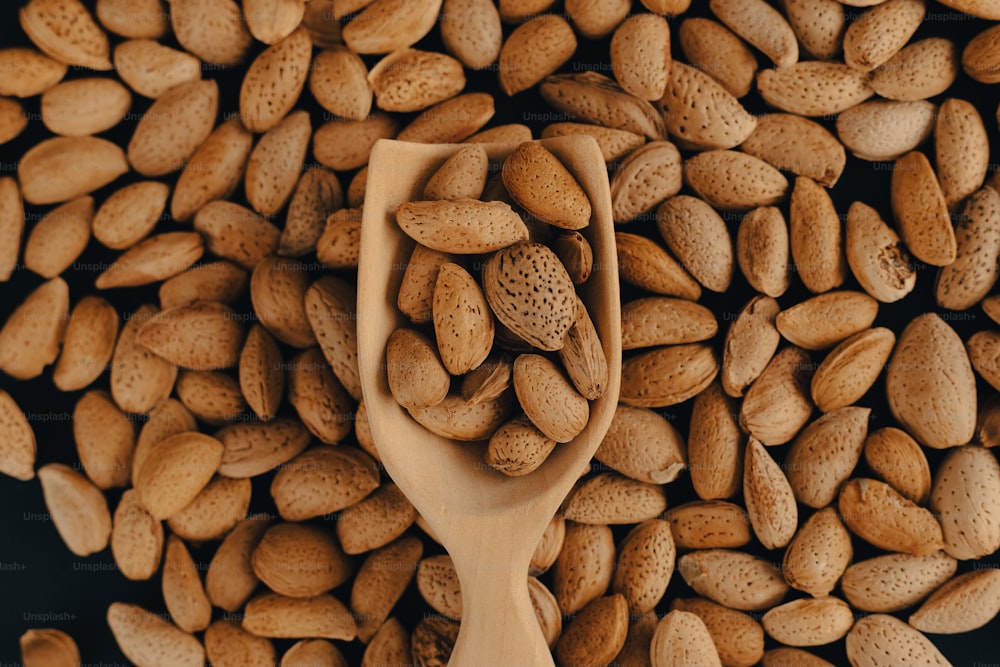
(488, 522)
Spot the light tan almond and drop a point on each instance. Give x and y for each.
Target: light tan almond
(300, 560)
(183, 592)
(301, 489)
(151, 69)
(777, 405)
(227, 644)
(594, 98)
(461, 176)
(130, 214)
(273, 82)
(25, 72)
(534, 50)
(153, 259)
(66, 31)
(281, 617)
(548, 398)
(11, 226)
(380, 582)
(214, 31)
(84, 106)
(640, 55)
(173, 128)
(809, 621)
(236, 233)
(964, 498)
(654, 320)
(966, 281)
(33, 332)
(965, 603)
(105, 438)
(270, 21)
(471, 31)
(539, 183)
(818, 554)
(451, 121)
(389, 25)
(140, 379)
(317, 195)
(583, 356)
(876, 513)
(799, 145)
(879, 33)
(984, 353)
(667, 376)
(549, 547)
(824, 320)
(321, 402)
(331, 308)
(749, 346)
(825, 453)
(313, 652)
(416, 289)
(611, 498)
(176, 471)
(762, 26)
(275, 163)
(546, 611)
(213, 171)
(645, 565)
(885, 130)
(715, 445)
(17, 453)
(635, 651)
(457, 226)
(345, 144)
(437, 582)
(229, 579)
(220, 281)
(518, 447)
(701, 112)
(818, 25)
(615, 144)
(59, 238)
(596, 20)
(715, 50)
(463, 325)
(63, 168)
(814, 87)
(930, 360)
(880, 639)
(681, 638)
(734, 181)
(413, 80)
(851, 368)
(414, 370)
(898, 460)
(377, 520)
(816, 237)
(974, 7)
(959, 156)
(77, 507)
(981, 55)
(698, 237)
(252, 448)
(205, 335)
(148, 639)
(709, 524)
(642, 445)
(769, 498)
(48, 647)
(645, 177)
(868, 239)
(738, 637)
(921, 211)
(133, 18)
(583, 571)
(785, 656)
(922, 70)
(277, 290)
(390, 644)
(518, 11)
(596, 634)
(214, 512)
(896, 581)
(762, 250)
(733, 578)
(508, 133)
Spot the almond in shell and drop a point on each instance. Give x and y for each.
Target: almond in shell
(734, 181)
(140, 379)
(896, 458)
(389, 25)
(769, 498)
(964, 497)
(668, 375)
(814, 87)
(59, 238)
(714, 49)
(173, 128)
(130, 214)
(922, 70)
(17, 453)
(733, 578)
(981, 56)
(819, 26)
(25, 72)
(876, 255)
(84, 106)
(762, 26)
(270, 21)
(183, 591)
(612, 498)
(330, 305)
(518, 447)
(276, 162)
(300, 560)
(645, 177)
(585, 566)
(533, 51)
(880, 639)
(148, 639)
(824, 320)
(205, 335)
(317, 194)
(380, 581)
(151, 68)
(273, 82)
(63, 168)
(749, 346)
(234, 232)
(642, 445)
(215, 31)
(654, 320)
(596, 20)
(921, 210)
(214, 170)
(640, 55)
(462, 226)
(230, 580)
(66, 31)
(176, 471)
(300, 489)
(879, 33)
(965, 603)
(715, 445)
(461, 176)
(451, 121)
(538, 182)
(614, 144)
(738, 637)
(77, 507)
(885, 130)
(252, 448)
(799, 145)
(851, 368)
(377, 520)
(895, 581)
(809, 621)
(777, 405)
(582, 355)
(646, 264)
(681, 638)
(709, 524)
(701, 113)
(876, 513)
(133, 18)
(818, 554)
(281, 617)
(215, 511)
(762, 250)
(959, 155)
(966, 281)
(105, 439)
(226, 642)
(33, 332)
(595, 98)
(596, 634)
(471, 31)
(48, 647)
(698, 237)
(11, 226)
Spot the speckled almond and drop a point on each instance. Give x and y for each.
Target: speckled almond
(701, 113)
(652, 321)
(461, 176)
(376, 521)
(213, 171)
(25, 72)
(471, 31)
(611, 498)
(273, 82)
(681, 638)
(229, 579)
(822, 321)
(882, 639)
(300, 489)
(851, 368)
(897, 459)
(380, 582)
(252, 448)
(390, 644)
(981, 56)
(825, 453)
(220, 281)
(876, 513)
(149, 639)
(885, 130)
(699, 238)
(799, 145)
(921, 210)
(227, 644)
(77, 507)
(413, 80)
(922, 70)
(281, 617)
(215, 511)
(417, 286)
(963, 604)
(437, 582)
(451, 121)
(585, 566)
(769, 498)
(457, 227)
(960, 157)
(389, 25)
(762, 26)
(176, 471)
(644, 178)
(642, 445)
(300, 560)
(715, 445)
(275, 163)
(749, 345)
(596, 20)
(777, 405)
(965, 498)
(17, 453)
(105, 439)
(153, 259)
(818, 25)
(640, 55)
(63, 168)
(236, 233)
(762, 250)
(317, 194)
(534, 50)
(668, 375)
(151, 68)
(894, 582)
(59, 237)
(173, 128)
(709, 524)
(966, 281)
(277, 290)
(614, 144)
(548, 398)
(733, 578)
(343, 145)
(583, 358)
(809, 621)
(818, 554)
(881, 32)
(183, 591)
(214, 30)
(544, 187)
(715, 50)
(130, 214)
(133, 18)
(66, 31)
(331, 307)
(738, 637)
(877, 258)
(595, 98)
(786, 656)
(734, 181)
(816, 237)
(205, 335)
(339, 244)
(814, 87)
(597, 633)
(33, 331)
(645, 565)
(11, 226)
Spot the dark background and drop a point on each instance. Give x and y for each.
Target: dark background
(43, 585)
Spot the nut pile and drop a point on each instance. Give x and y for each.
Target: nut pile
(188, 249)
(526, 306)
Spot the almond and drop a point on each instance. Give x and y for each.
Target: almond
(877, 258)
(799, 145)
(652, 321)
(876, 513)
(898, 460)
(647, 265)
(959, 157)
(921, 70)
(642, 445)
(715, 445)
(461, 176)
(614, 144)
(380, 582)
(738, 638)
(930, 355)
(884, 130)
(921, 210)
(377, 520)
(415, 373)
(534, 50)
(84, 106)
(300, 561)
(792, 657)
(214, 31)
(438, 584)
(645, 177)
(667, 376)
(818, 25)
(734, 181)
(413, 80)
(595, 98)
(851, 368)
(183, 591)
(252, 448)
(596, 20)
(276, 162)
(230, 580)
(583, 356)
(214, 170)
(762, 26)
(611, 498)
(66, 31)
(769, 499)
(59, 238)
(548, 399)
(277, 290)
(809, 621)
(317, 194)
(17, 454)
(417, 286)
(33, 332)
(271, 21)
(173, 128)
(331, 309)
(640, 55)
(140, 380)
(214, 512)
(814, 87)
(881, 638)
(508, 133)
(983, 354)
(273, 82)
(301, 490)
(390, 25)
(24, 72)
(681, 638)
(894, 582)
(281, 617)
(63, 168)
(963, 604)
(881, 32)
(762, 250)
(585, 566)
(11, 226)
(698, 237)
(714, 49)
(824, 320)
(818, 554)
(518, 447)
(451, 121)
(48, 647)
(964, 496)
(77, 507)
(981, 55)
(539, 183)
(130, 214)
(147, 639)
(390, 644)
(227, 644)
(635, 651)
(596, 634)
(219, 281)
(733, 578)
(471, 31)
(236, 233)
(463, 328)
(205, 335)
(104, 439)
(816, 239)
(966, 281)
(701, 113)
(462, 226)
(151, 69)
(645, 565)
(133, 18)
(176, 471)
(153, 259)
(777, 405)
(517, 11)
(345, 144)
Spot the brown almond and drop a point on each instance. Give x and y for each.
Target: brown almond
(518, 447)
(799, 145)
(615, 144)
(645, 565)
(850, 369)
(214, 170)
(545, 188)
(66, 30)
(701, 112)
(667, 376)
(611, 498)
(463, 323)
(252, 448)
(965, 603)
(809, 621)
(471, 31)
(816, 238)
(825, 320)
(390, 25)
(814, 87)
(48, 647)
(733, 578)
(281, 617)
(380, 582)
(777, 405)
(734, 181)
(894, 582)
(17, 453)
(548, 398)
(645, 177)
(261, 373)
(818, 555)
(105, 439)
(148, 639)
(880, 33)
(88, 344)
(183, 592)
(595, 98)
(28, 72)
(84, 106)
(377, 520)
(301, 489)
(343, 145)
(897, 458)
(762, 250)
(681, 638)
(176, 471)
(652, 321)
(921, 210)
(738, 638)
(413, 80)
(641, 444)
(769, 498)
(173, 128)
(762, 26)
(966, 281)
(230, 580)
(227, 644)
(11, 226)
(63, 168)
(273, 82)
(961, 162)
(234, 232)
(715, 445)
(77, 507)
(881, 637)
(867, 239)
(714, 49)
(151, 68)
(876, 513)
(534, 50)
(709, 524)
(275, 163)
(140, 379)
(215, 30)
(963, 498)
(699, 238)
(300, 560)
(819, 26)
(646, 264)
(31, 335)
(205, 335)
(640, 55)
(585, 566)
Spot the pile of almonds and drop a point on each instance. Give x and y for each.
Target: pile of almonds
(808, 249)
(526, 304)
